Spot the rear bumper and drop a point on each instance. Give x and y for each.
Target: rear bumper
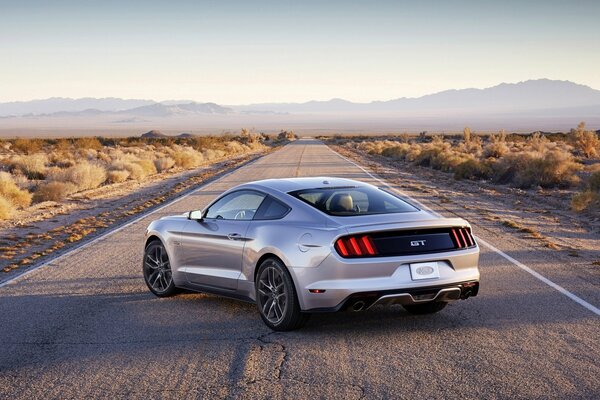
(340, 283)
(366, 300)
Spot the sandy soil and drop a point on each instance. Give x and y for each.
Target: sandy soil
(50, 228)
(542, 218)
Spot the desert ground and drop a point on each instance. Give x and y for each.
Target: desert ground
(84, 324)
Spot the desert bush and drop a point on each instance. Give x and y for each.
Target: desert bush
(590, 196)
(7, 209)
(164, 163)
(33, 166)
(53, 191)
(84, 175)
(27, 146)
(134, 170)
(546, 169)
(467, 134)
(187, 158)
(472, 169)
(88, 143)
(117, 176)
(147, 166)
(585, 141)
(285, 135)
(12, 193)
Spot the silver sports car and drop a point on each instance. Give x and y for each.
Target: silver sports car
(304, 245)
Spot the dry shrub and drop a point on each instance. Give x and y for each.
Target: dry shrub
(147, 166)
(584, 200)
(212, 154)
(532, 168)
(164, 163)
(84, 175)
(594, 181)
(117, 176)
(12, 193)
(467, 134)
(497, 146)
(53, 191)
(88, 143)
(472, 169)
(33, 166)
(7, 209)
(134, 170)
(187, 158)
(27, 146)
(587, 142)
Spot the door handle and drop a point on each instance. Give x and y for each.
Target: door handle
(234, 236)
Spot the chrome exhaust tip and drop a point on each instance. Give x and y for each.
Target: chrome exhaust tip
(358, 306)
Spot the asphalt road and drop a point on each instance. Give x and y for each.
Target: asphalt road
(86, 326)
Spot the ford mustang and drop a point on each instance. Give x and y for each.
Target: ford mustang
(304, 245)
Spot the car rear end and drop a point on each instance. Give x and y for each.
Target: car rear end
(421, 260)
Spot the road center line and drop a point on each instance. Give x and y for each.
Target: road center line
(517, 263)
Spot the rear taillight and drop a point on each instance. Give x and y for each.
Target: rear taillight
(462, 237)
(355, 246)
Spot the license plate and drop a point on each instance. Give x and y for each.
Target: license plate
(426, 270)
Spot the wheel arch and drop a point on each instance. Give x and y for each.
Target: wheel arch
(290, 271)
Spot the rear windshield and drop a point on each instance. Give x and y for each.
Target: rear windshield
(352, 201)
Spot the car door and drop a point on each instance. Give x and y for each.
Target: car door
(213, 246)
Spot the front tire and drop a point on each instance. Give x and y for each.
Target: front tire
(157, 270)
(426, 308)
(276, 297)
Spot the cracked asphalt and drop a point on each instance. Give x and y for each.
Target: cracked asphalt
(85, 326)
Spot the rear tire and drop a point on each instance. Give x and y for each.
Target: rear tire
(426, 308)
(276, 297)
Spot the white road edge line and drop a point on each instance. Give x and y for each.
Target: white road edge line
(120, 228)
(519, 264)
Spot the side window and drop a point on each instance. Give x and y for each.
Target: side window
(272, 209)
(240, 205)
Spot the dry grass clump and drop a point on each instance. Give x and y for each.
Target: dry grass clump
(187, 158)
(589, 198)
(586, 141)
(11, 192)
(549, 168)
(7, 209)
(53, 191)
(117, 176)
(27, 146)
(11, 196)
(84, 175)
(164, 164)
(88, 143)
(33, 166)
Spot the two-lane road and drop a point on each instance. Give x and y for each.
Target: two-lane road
(86, 326)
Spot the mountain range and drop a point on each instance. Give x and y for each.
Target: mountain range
(526, 103)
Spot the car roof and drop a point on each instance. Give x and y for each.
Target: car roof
(286, 185)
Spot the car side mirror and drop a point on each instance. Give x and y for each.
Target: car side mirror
(198, 215)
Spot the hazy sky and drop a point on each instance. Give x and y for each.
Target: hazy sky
(235, 52)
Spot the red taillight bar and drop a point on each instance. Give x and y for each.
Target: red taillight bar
(460, 246)
(465, 235)
(355, 246)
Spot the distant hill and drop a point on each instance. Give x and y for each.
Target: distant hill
(163, 110)
(62, 104)
(540, 104)
(529, 95)
(153, 134)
